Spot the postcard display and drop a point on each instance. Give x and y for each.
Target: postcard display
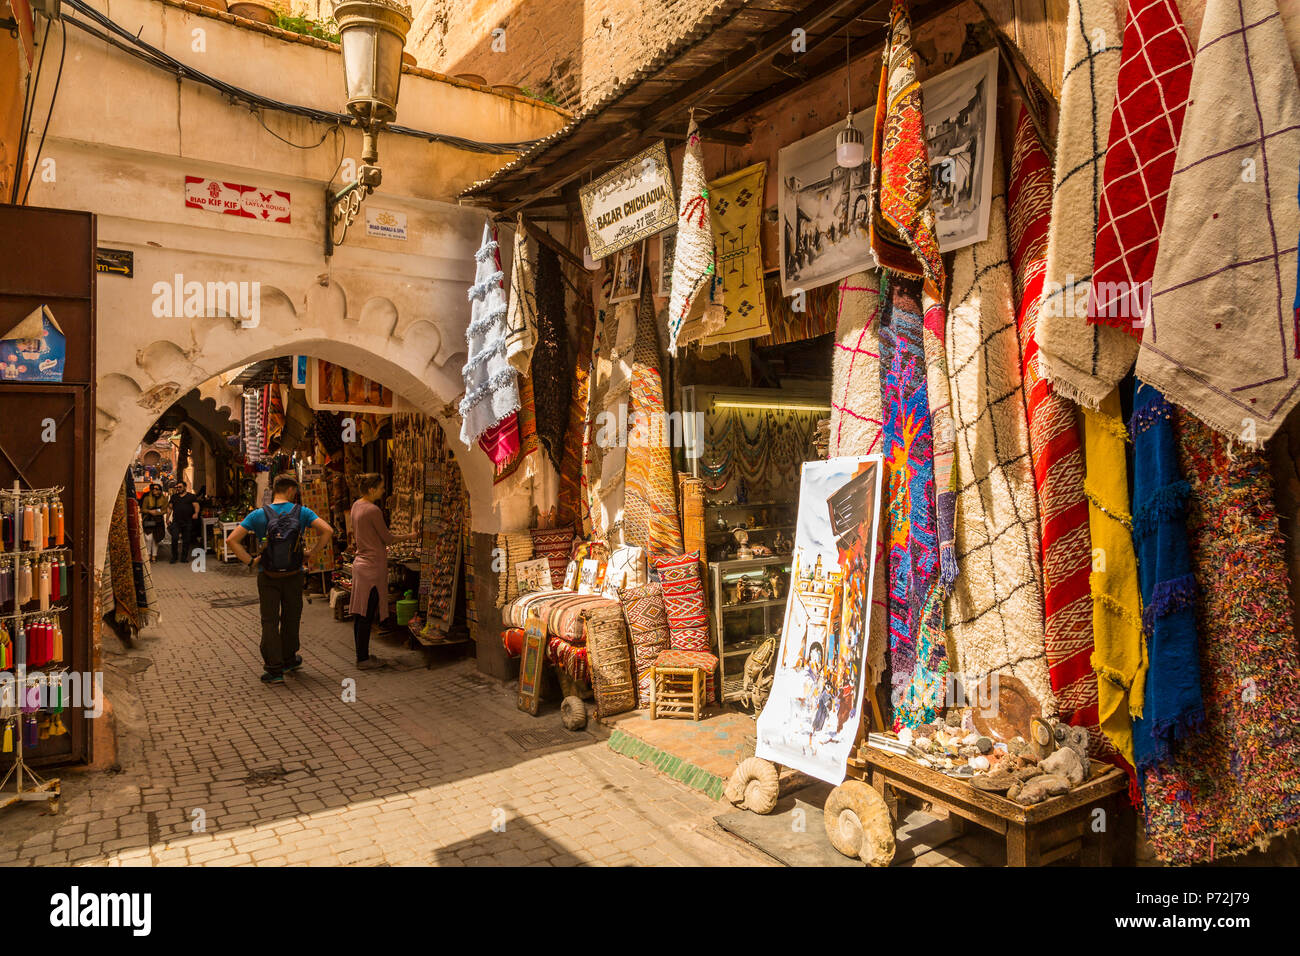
(810, 722)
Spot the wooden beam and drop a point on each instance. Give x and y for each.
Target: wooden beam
(920, 14)
(740, 63)
(709, 135)
(559, 248)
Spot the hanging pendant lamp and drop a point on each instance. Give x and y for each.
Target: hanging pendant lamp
(850, 143)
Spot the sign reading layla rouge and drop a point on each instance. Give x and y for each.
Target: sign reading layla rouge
(234, 199)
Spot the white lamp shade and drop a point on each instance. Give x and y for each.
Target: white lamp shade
(372, 34)
(850, 146)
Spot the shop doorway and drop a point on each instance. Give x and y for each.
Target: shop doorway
(217, 450)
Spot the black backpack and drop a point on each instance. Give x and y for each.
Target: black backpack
(283, 552)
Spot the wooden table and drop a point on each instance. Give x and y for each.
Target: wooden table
(1036, 835)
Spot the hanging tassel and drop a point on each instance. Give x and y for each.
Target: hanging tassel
(58, 523)
(44, 536)
(9, 737)
(33, 735)
(58, 640)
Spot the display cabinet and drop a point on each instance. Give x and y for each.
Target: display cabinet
(748, 606)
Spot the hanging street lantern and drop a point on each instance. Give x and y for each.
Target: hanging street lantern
(373, 35)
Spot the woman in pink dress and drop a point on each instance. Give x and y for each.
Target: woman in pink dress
(370, 568)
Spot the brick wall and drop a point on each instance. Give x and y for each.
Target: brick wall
(573, 50)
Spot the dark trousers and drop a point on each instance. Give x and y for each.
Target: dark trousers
(182, 540)
(361, 624)
(281, 600)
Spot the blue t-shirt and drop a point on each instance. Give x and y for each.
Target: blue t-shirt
(255, 522)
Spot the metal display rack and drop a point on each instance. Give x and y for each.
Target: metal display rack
(28, 784)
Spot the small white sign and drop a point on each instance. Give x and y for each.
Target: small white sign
(385, 223)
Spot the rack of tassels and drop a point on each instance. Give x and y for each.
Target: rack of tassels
(36, 528)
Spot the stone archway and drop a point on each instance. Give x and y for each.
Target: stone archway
(413, 364)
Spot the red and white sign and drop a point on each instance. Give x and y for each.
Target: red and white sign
(234, 199)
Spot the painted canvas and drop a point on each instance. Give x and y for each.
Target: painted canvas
(811, 719)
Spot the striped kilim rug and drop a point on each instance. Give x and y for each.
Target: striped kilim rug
(995, 611)
(1056, 450)
(650, 503)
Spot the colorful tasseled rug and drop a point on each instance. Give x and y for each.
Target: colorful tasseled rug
(1057, 452)
(902, 228)
(918, 655)
(1234, 786)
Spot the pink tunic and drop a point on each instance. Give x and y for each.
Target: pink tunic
(370, 569)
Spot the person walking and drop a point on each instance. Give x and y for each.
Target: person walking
(184, 508)
(153, 507)
(370, 568)
(280, 575)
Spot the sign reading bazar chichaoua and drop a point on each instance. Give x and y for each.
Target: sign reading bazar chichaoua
(629, 203)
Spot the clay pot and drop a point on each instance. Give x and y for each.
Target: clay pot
(249, 10)
(472, 78)
(212, 4)
(408, 59)
(506, 88)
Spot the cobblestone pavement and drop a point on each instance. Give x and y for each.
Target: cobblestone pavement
(427, 766)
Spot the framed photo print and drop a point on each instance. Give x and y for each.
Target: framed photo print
(960, 127)
(627, 273)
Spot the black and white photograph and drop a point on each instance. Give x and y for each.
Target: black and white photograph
(627, 273)
(824, 210)
(959, 130)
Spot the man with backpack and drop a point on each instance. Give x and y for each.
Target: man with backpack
(280, 575)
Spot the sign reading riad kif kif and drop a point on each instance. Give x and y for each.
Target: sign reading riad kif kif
(235, 199)
(630, 202)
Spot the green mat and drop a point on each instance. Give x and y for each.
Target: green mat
(697, 778)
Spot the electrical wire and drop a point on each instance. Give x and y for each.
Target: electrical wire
(49, 113)
(29, 101)
(117, 36)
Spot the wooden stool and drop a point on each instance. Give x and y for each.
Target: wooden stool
(679, 692)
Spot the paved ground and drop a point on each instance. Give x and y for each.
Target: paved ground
(424, 767)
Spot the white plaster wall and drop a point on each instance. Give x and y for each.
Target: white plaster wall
(122, 140)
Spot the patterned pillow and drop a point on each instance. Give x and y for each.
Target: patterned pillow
(647, 628)
(688, 625)
(626, 570)
(553, 544)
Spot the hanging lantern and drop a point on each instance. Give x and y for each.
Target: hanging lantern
(850, 146)
(372, 34)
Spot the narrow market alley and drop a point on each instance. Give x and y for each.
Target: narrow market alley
(427, 767)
